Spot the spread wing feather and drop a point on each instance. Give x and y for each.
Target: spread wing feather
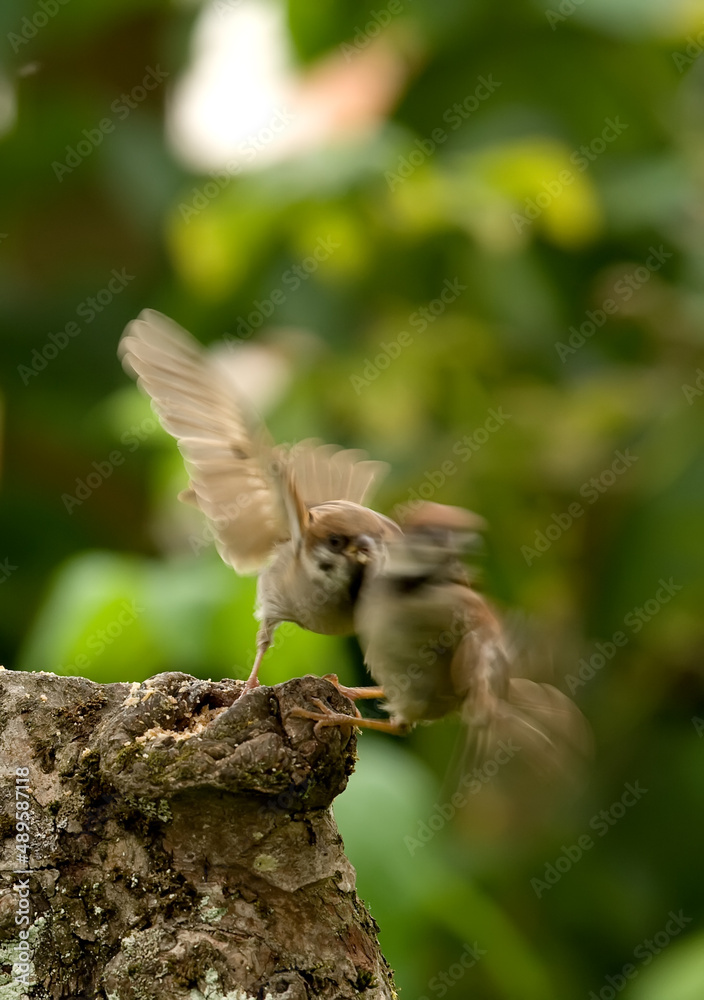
(227, 451)
(324, 472)
(255, 494)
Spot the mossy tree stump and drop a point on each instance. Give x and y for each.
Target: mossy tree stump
(180, 844)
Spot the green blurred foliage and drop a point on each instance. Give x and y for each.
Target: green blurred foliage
(119, 582)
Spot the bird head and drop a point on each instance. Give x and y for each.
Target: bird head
(435, 537)
(344, 541)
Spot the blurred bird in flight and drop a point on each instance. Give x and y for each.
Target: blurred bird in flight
(330, 564)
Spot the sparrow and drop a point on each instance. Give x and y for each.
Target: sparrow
(293, 514)
(434, 646)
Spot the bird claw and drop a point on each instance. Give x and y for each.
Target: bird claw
(353, 693)
(325, 716)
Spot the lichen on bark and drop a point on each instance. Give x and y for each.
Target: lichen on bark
(182, 843)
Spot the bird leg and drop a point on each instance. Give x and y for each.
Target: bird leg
(253, 679)
(325, 716)
(355, 693)
(265, 637)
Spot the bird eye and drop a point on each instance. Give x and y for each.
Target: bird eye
(336, 542)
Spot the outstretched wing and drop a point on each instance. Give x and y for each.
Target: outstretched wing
(235, 474)
(254, 494)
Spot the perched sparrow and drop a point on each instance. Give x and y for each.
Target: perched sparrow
(293, 514)
(434, 646)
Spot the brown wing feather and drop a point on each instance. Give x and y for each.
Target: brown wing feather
(236, 479)
(325, 472)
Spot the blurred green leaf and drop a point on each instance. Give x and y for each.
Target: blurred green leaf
(677, 974)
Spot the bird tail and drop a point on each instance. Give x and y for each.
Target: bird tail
(535, 722)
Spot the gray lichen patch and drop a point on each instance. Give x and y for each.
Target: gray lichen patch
(211, 914)
(20, 970)
(158, 809)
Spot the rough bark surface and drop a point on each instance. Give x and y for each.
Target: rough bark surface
(181, 844)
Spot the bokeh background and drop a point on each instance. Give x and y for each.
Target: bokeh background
(306, 182)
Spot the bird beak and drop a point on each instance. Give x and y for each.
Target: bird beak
(360, 549)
